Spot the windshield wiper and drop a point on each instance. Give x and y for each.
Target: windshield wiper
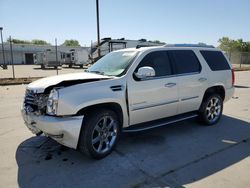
(97, 72)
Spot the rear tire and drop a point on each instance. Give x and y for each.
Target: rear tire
(99, 134)
(211, 109)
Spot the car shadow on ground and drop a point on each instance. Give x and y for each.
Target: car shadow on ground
(173, 155)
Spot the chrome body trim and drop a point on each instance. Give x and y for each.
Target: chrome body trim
(154, 105)
(169, 76)
(160, 124)
(189, 98)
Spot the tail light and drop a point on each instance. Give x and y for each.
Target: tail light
(233, 77)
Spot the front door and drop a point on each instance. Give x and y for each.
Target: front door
(156, 97)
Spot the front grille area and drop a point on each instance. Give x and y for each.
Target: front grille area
(29, 101)
(34, 102)
(29, 97)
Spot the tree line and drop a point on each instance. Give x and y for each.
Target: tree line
(71, 42)
(230, 45)
(225, 43)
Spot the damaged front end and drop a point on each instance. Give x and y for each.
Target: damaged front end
(35, 102)
(39, 114)
(41, 103)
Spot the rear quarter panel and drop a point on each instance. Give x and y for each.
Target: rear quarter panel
(219, 78)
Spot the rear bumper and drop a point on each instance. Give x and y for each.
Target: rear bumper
(229, 94)
(65, 130)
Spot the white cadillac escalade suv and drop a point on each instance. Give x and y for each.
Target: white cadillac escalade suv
(129, 90)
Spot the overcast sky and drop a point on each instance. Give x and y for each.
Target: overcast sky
(171, 21)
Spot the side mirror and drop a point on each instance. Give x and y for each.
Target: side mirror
(145, 72)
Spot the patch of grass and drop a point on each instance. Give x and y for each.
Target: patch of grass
(17, 81)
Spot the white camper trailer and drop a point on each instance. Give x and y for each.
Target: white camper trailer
(108, 45)
(79, 57)
(67, 59)
(38, 58)
(48, 58)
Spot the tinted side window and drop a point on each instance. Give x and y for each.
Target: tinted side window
(159, 61)
(215, 60)
(185, 61)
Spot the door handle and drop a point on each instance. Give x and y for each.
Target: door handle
(202, 79)
(170, 84)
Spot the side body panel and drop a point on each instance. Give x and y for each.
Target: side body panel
(219, 78)
(192, 87)
(151, 99)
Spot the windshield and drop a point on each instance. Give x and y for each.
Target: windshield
(113, 64)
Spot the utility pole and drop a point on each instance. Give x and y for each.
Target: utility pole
(56, 57)
(4, 65)
(91, 53)
(11, 52)
(98, 28)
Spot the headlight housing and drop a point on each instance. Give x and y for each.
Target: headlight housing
(52, 102)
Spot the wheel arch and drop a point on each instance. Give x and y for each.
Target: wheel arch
(108, 105)
(218, 89)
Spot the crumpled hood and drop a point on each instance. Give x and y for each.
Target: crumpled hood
(40, 85)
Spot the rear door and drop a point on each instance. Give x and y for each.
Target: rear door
(153, 98)
(192, 79)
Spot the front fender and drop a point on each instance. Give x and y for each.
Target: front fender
(74, 98)
(122, 104)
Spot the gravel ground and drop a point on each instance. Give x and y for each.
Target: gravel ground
(22, 71)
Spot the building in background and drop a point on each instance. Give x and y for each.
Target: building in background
(24, 53)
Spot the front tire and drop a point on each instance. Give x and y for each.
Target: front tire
(99, 134)
(211, 109)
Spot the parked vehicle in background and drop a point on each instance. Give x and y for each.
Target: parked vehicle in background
(38, 58)
(129, 90)
(48, 59)
(67, 59)
(78, 57)
(108, 45)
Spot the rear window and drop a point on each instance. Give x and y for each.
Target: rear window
(185, 61)
(215, 60)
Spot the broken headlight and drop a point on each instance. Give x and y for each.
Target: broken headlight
(52, 102)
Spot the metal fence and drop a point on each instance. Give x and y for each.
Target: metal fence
(239, 59)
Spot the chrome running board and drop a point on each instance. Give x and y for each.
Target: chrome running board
(159, 123)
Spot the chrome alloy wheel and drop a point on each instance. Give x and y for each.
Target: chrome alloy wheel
(213, 109)
(104, 134)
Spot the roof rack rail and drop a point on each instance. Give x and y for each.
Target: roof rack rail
(145, 45)
(189, 45)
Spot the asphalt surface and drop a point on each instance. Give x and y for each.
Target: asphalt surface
(183, 154)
